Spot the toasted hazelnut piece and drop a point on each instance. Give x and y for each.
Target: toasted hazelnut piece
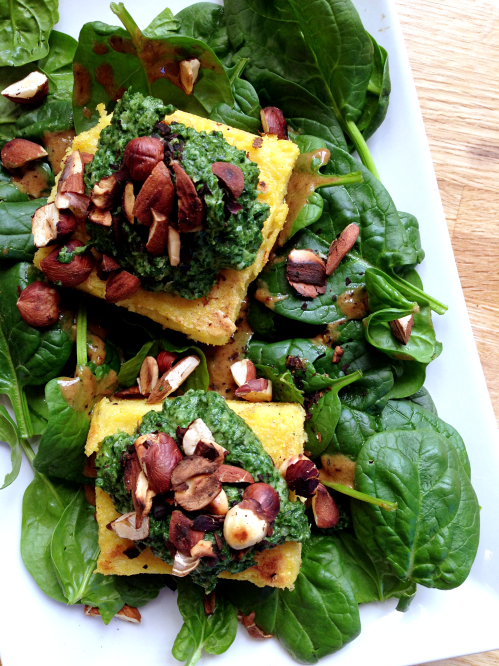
(231, 176)
(70, 180)
(243, 371)
(100, 217)
(220, 505)
(91, 611)
(197, 492)
(38, 305)
(159, 456)
(121, 286)
(125, 528)
(197, 431)
(49, 225)
(33, 88)
(301, 474)
(326, 513)
(209, 603)
(142, 155)
(173, 246)
(182, 534)
(18, 152)
(68, 275)
(142, 496)
(189, 467)
(78, 204)
(339, 247)
(105, 192)
(165, 361)
(132, 471)
(253, 629)
(90, 495)
(105, 266)
(149, 374)
(158, 235)
(89, 469)
(205, 523)
(184, 565)
(338, 354)
(402, 328)
(255, 390)
(128, 202)
(306, 272)
(244, 526)
(273, 122)
(172, 379)
(156, 193)
(189, 72)
(231, 474)
(211, 451)
(203, 548)
(267, 497)
(129, 393)
(190, 206)
(129, 614)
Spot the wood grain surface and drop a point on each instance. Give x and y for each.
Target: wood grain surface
(453, 47)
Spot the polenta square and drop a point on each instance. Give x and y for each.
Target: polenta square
(210, 319)
(280, 428)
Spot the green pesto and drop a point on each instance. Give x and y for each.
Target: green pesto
(227, 240)
(245, 450)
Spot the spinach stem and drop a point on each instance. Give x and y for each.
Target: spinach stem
(362, 149)
(347, 179)
(410, 291)
(81, 335)
(30, 454)
(238, 70)
(346, 490)
(127, 20)
(374, 89)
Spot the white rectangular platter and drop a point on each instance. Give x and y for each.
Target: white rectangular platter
(35, 629)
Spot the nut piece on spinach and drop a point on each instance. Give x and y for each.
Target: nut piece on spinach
(402, 328)
(273, 122)
(18, 152)
(182, 533)
(340, 247)
(156, 193)
(70, 180)
(30, 90)
(326, 513)
(165, 361)
(71, 274)
(129, 393)
(158, 234)
(50, 225)
(128, 202)
(172, 379)
(105, 193)
(38, 305)
(142, 155)
(189, 72)
(190, 206)
(121, 286)
(306, 272)
(105, 266)
(253, 629)
(159, 456)
(245, 525)
(301, 474)
(127, 613)
(267, 497)
(148, 376)
(243, 371)
(255, 390)
(203, 548)
(232, 474)
(173, 246)
(125, 527)
(230, 176)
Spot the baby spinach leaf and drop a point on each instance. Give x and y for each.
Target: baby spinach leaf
(423, 399)
(50, 117)
(139, 590)
(352, 431)
(38, 408)
(25, 28)
(205, 21)
(411, 225)
(261, 320)
(10, 111)
(58, 65)
(378, 93)
(130, 370)
(9, 433)
(16, 240)
(213, 633)
(409, 379)
(101, 592)
(383, 294)
(283, 386)
(162, 25)
(8, 191)
(245, 114)
(28, 356)
(432, 538)
(370, 392)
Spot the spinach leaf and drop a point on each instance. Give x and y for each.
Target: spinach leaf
(58, 65)
(25, 28)
(109, 58)
(49, 117)
(38, 408)
(409, 379)
(283, 386)
(378, 93)
(213, 633)
(162, 25)
(245, 114)
(383, 294)
(139, 590)
(9, 434)
(424, 399)
(432, 538)
(205, 21)
(411, 225)
(16, 240)
(8, 191)
(352, 431)
(28, 356)
(130, 370)
(370, 392)
(10, 111)
(200, 378)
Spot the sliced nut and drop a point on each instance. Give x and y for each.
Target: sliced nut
(301, 474)
(71, 274)
(158, 234)
(159, 456)
(209, 602)
(243, 371)
(173, 246)
(197, 431)
(204, 523)
(142, 496)
(105, 266)
(197, 492)
(306, 272)
(49, 225)
(132, 471)
(326, 513)
(78, 204)
(70, 180)
(211, 451)
(121, 286)
(129, 614)
(182, 534)
(156, 193)
(91, 611)
(189, 72)
(253, 629)
(125, 528)
(142, 155)
(189, 467)
(273, 122)
(256, 390)
(38, 305)
(402, 328)
(190, 206)
(33, 88)
(341, 246)
(18, 152)
(244, 526)
(203, 548)
(231, 474)
(100, 217)
(172, 379)
(338, 354)
(149, 375)
(220, 505)
(231, 176)
(267, 497)
(128, 202)
(105, 193)
(126, 394)
(184, 565)
(165, 361)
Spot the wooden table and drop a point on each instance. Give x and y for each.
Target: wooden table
(453, 47)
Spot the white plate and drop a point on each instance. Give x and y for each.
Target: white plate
(35, 629)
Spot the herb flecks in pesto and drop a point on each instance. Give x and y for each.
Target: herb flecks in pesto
(245, 450)
(227, 240)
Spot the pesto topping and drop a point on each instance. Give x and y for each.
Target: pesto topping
(227, 240)
(245, 450)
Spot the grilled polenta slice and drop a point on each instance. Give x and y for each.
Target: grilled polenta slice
(279, 427)
(210, 319)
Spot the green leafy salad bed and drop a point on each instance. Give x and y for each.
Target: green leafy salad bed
(340, 321)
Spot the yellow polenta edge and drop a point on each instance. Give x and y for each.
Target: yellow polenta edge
(210, 319)
(280, 428)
